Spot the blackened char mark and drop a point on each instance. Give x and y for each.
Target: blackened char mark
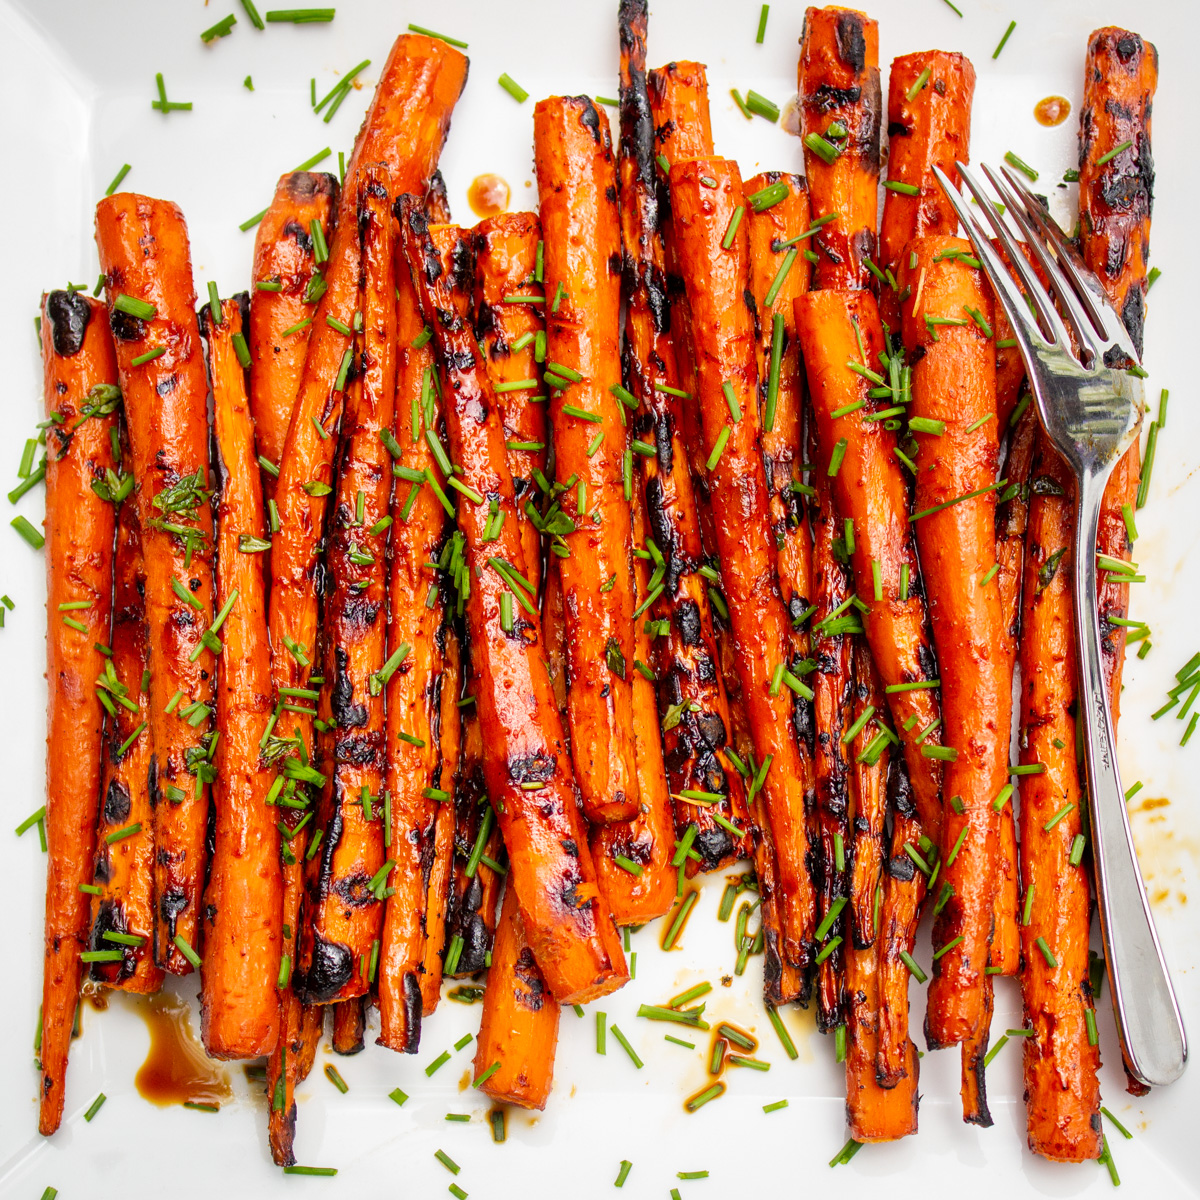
(899, 789)
(68, 313)
(117, 802)
(851, 42)
(126, 328)
(531, 994)
(347, 714)
(412, 1013)
(589, 118)
(713, 845)
(825, 97)
(299, 235)
(330, 970)
(1133, 315)
(533, 768)
(110, 919)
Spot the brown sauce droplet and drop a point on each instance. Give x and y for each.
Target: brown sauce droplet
(95, 995)
(176, 1069)
(488, 195)
(1053, 110)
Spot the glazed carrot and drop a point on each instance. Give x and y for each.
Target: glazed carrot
(896, 1062)
(474, 897)
(508, 263)
(124, 871)
(833, 716)
(81, 398)
(300, 1030)
(566, 920)
(674, 637)
(437, 200)
(953, 389)
(839, 91)
(349, 1025)
(873, 1113)
(144, 255)
(243, 909)
(1116, 184)
(858, 455)
(678, 96)
(929, 125)
(518, 1031)
(717, 281)
(578, 197)
(439, 945)
(283, 295)
(349, 873)
(1062, 1089)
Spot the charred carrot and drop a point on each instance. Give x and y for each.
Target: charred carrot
(124, 871)
(1116, 184)
(526, 766)
(871, 754)
(508, 263)
(81, 399)
(840, 110)
(144, 255)
(350, 870)
(518, 1031)
(1062, 1057)
(717, 281)
(673, 637)
(349, 1026)
(929, 125)
(953, 387)
(858, 456)
(243, 910)
(287, 285)
(578, 197)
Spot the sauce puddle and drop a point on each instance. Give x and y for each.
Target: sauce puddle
(1051, 111)
(488, 195)
(176, 1070)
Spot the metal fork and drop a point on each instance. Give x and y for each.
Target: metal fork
(1092, 412)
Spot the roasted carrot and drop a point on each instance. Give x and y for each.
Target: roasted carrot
(953, 391)
(144, 255)
(349, 1025)
(518, 1031)
(124, 872)
(858, 455)
(81, 399)
(871, 764)
(474, 898)
(243, 910)
(300, 1029)
(526, 766)
(1116, 186)
(717, 282)
(840, 110)
(1062, 1057)
(349, 874)
(509, 262)
(678, 96)
(577, 193)
(833, 685)
(286, 287)
(929, 125)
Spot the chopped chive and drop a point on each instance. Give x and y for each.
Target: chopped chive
(300, 16)
(298, 1170)
(913, 966)
(439, 1062)
(116, 183)
(149, 356)
(1007, 34)
(335, 1077)
(397, 1096)
(1105, 158)
(780, 276)
(737, 99)
(905, 189)
(918, 84)
(1058, 816)
(440, 36)
(1047, 953)
(185, 948)
(513, 88)
(96, 1105)
(700, 1099)
(718, 447)
(958, 500)
(222, 28)
(637, 1062)
(761, 106)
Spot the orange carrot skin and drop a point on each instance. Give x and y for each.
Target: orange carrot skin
(577, 190)
(1115, 200)
(124, 869)
(1062, 1088)
(283, 255)
(933, 129)
(519, 1026)
(349, 1026)
(723, 326)
(344, 917)
(165, 405)
(77, 356)
(243, 911)
(864, 842)
(679, 92)
(870, 490)
(416, 618)
(506, 264)
(954, 382)
(569, 927)
(839, 82)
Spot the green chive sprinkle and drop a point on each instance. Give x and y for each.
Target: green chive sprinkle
(116, 183)
(761, 106)
(96, 1105)
(1021, 165)
(762, 24)
(440, 36)
(300, 16)
(1105, 158)
(513, 88)
(1007, 34)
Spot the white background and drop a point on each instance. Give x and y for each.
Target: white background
(75, 93)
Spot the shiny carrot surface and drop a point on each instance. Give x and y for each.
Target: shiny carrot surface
(79, 373)
(526, 764)
(166, 409)
(577, 191)
(243, 909)
(839, 90)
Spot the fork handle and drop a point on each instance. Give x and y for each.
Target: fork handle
(1153, 1040)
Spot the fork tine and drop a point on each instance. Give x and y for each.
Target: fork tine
(1048, 314)
(1025, 328)
(1076, 315)
(1091, 295)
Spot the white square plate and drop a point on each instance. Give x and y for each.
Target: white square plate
(75, 93)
